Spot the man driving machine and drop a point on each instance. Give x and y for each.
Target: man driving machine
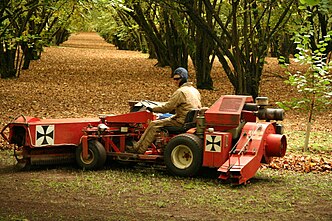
(184, 99)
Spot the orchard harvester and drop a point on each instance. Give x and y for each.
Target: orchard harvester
(235, 135)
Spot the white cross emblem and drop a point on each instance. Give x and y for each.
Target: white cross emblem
(213, 143)
(44, 135)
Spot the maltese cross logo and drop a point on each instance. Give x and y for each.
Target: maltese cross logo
(213, 143)
(44, 135)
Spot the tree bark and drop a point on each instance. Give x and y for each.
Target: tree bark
(245, 57)
(159, 47)
(201, 56)
(7, 62)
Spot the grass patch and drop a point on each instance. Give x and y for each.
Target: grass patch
(271, 194)
(7, 157)
(319, 142)
(153, 194)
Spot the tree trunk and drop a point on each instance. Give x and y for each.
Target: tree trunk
(159, 47)
(7, 62)
(311, 110)
(203, 65)
(201, 46)
(61, 35)
(307, 136)
(177, 49)
(202, 62)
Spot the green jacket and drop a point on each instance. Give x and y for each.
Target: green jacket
(184, 99)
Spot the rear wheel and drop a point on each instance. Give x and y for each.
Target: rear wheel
(183, 155)
(96, 156)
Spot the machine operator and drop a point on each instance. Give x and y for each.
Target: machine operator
(184, 99)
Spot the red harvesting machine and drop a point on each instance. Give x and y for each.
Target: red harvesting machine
(235, 135)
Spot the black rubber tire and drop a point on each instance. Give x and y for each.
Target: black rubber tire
(183, 155)
(97, 156)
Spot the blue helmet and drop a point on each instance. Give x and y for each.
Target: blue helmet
(182, 72)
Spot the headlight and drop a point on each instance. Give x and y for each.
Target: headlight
(102, 127)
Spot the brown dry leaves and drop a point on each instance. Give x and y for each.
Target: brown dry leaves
(85, 77)
(300, 163)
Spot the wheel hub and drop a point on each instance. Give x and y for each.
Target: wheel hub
(89, 158)
(182, 157)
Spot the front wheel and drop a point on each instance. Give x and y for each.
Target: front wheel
(183, 155)
(96, 156)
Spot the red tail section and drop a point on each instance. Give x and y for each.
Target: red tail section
(246, 155)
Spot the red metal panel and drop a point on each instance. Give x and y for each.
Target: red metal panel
(216, 148)
(43, 133)
(226, 111)
(249, 116)
(37, 121)
(245, 160)
(134, 117)
(208, 159)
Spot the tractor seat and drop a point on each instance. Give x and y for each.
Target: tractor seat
(189, 122)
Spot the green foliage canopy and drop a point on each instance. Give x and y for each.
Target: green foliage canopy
(28, 25)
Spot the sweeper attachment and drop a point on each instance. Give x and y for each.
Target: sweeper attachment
(235, 135)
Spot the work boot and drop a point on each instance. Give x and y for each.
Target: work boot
(136, 148)
(140, 149)
(131, 149)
